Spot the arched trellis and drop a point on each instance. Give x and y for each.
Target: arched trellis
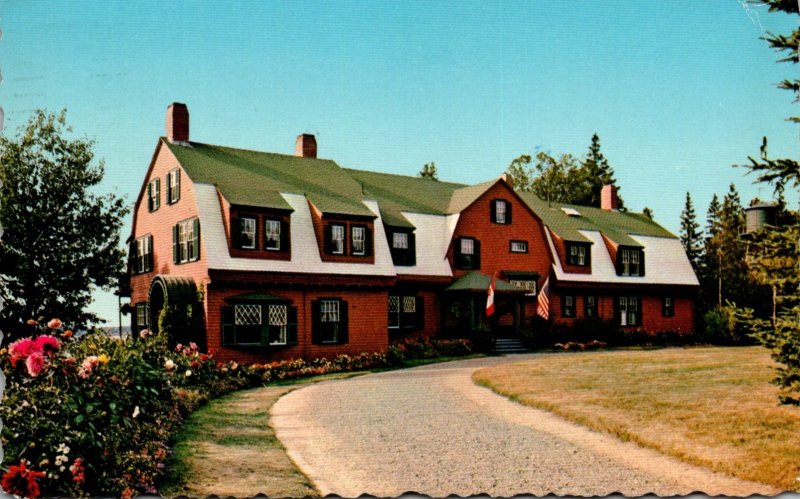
(179, 296)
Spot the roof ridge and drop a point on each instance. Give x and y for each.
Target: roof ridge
(410, 177)
(243, 149)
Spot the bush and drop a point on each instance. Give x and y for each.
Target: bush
(427, 348)
(728, 325)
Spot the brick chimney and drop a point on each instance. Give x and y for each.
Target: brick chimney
(177, 122)
(306, 146)
(608, 198)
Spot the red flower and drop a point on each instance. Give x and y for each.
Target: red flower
(48, 345)
(67, 333)
(195, 363)
(21, 481)
(54, 323)
(35, 364)
(31, 322)
(77, 470)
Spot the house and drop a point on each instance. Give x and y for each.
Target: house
(265, 256)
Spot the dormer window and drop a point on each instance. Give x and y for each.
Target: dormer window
(578, 254)
(247, 232)
(359, 238)
(501, 211)
(631, 262)
(335, 239)
(403, 248)
(272, 235)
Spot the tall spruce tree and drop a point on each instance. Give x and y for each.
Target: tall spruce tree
(597, 173)
(690, 235)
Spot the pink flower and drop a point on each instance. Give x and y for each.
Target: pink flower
(21, 349)
(144, 333)
(178, 347)
(193, 345)
(48, 345)
(35, 364)
(54, 323)
(86, 367)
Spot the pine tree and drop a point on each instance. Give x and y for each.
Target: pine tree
(429, 171)
(690, 235)
(712, 217)
(597, 173)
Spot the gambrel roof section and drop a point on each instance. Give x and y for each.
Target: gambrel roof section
(252, 178)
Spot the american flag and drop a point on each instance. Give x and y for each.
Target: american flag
(543, 301)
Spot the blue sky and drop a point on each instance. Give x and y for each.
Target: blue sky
(678, 91)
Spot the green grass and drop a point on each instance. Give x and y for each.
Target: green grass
(714, 407)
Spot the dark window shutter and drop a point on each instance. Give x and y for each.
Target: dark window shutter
(315, 323)
(617, 311)
(508, 212)
(284, 235)
(236, 232)
(477, 257)
(367, 241)
(493, 211)
(291, 326)
(420, 318)
(619, 261)
(458, 257)
(228, 326)
(169, 188)
(411, 258)
(344, 323)
(177, 185)
(132, 257)
(150, 206)
(158, 192)
(149, 263)
(329, 239)
(176, 249)
(196, 246)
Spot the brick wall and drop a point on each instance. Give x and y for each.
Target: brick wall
(367, 330)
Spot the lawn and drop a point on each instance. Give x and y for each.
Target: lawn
(714, 407)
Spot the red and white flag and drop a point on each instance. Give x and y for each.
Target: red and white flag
(543, 301)
(490, 299)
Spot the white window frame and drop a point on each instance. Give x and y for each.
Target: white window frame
(273, 316)
(143, 250)
(330, 312)
(337, 239)
(142, 315)
(395, 307)
(500, 213)
(630, 260)
(359, 242)
(272, 234)
(174, 185)
(248, 228)
(467, 246)
(569, 304)
(400, 240)
(628, 310)
(519, 246)
(154, 192)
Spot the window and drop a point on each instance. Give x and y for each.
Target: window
(519, 246)
(468, 253)
(668, 306)
(628, 310)
(359, 240)
(142, 316)
(631, 262)
(501, 211)
(247, 232)
(143, 254)
(259, 324)
(334, 239)
(405, 312)
(186, 241)
(528, 285)
(173, 186)
(568, 306)
(330, 321)
(590, 306)
(154, 194)
(272, 235)
(404, 252)
(578, 254)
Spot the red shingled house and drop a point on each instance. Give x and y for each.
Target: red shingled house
(266, 256)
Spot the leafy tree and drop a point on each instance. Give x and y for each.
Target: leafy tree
(429, 171)
(648, 212)
(690, 235)
(598, 173)
(61, 240)
(558, 179)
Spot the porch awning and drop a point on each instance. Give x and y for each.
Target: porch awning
(521, 275)
(477, 282)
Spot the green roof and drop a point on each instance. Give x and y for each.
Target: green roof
(254, 178)
(475, 281)
(615, 225)
(398, 193)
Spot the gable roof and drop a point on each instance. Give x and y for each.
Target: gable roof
(618, 226)
(253, 178)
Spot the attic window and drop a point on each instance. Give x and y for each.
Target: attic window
(571, 211)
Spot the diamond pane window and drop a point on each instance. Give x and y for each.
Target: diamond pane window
(247, 315)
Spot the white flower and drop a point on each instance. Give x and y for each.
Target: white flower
(135, 412)
(61, 469)
(169, 365)
(188, 373)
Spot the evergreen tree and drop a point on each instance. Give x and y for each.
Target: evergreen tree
(712, 216)
(648, 212)
(690, 235)
(597, 173)
(429, 171)
(61, 240)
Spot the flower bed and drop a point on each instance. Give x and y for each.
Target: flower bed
(94, 416)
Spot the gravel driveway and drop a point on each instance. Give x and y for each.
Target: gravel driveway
(430, 430)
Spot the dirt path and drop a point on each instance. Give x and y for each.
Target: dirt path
(431, 430)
